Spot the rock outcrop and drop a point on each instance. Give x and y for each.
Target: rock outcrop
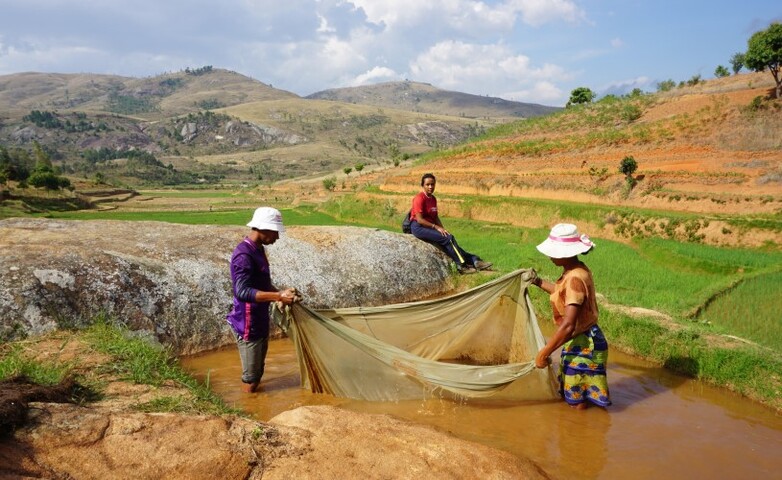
(171, 281)
(69, 441)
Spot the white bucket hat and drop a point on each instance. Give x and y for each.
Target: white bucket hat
(267, 218)
(564, 241)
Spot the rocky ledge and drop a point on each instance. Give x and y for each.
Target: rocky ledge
(171, 281)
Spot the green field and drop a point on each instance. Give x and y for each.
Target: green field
(675, 278)
(749, 310)
(711, 294)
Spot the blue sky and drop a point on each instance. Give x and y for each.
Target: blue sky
(526, 50)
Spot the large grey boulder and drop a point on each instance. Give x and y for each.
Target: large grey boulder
(172, 282)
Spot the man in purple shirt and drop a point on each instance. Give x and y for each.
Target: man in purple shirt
(253, 292)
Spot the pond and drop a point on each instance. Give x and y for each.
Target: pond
(660, 425)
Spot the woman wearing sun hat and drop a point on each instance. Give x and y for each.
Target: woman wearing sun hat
(582, 370)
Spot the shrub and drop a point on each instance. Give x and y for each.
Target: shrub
(694, 80)
(630, 113)
(628, 166)
(48, 180)
(756, 103)
(665, 85)
(330, 183)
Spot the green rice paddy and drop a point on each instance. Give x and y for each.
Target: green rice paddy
(708, 292)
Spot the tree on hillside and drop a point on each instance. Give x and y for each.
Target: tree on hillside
(665, 85)
(694, 80)
(15, 163)
(765, 51)
(580, 95)
(721, 71)
(359, 167)
(737, 62)
(628, 166)
(44, 174)
(347, 170)
(42, 160)
(48, 180)
(330, 183)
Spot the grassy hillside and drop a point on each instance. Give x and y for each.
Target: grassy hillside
(425, 98)
(338, 135)
(208, 126)
(709, 153)
(149, 98)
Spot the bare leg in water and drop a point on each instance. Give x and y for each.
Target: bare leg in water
(250, 387)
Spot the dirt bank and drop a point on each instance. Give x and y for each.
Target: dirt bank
(46, 435)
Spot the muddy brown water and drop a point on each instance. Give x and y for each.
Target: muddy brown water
(660, 425)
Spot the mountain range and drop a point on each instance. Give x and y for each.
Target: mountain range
(224, 126)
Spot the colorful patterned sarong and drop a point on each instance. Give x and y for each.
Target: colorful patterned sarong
(582, 371)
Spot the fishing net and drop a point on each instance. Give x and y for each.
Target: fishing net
(478, 343)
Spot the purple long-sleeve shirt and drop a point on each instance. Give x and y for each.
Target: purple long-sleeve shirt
(249, 274)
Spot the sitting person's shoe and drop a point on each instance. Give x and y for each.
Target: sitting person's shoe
(481, 265)
(465, 269)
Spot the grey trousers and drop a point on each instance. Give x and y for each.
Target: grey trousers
(253, 357)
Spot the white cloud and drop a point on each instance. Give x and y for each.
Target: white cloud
(392, 13)
(545, 93)
(469, 15)
(375, 75)
(297, 45)
(617, 43)
(480, 69)
(324, 26)
(29, 56)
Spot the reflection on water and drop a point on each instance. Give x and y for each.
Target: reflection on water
(660, 425)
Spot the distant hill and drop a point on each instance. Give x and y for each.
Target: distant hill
(425, 98)
(149, 98)
(218, 126)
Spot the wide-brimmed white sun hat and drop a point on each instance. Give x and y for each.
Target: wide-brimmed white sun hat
(564, 241)
(267, 218)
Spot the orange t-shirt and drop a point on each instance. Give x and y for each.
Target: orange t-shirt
(575, 287)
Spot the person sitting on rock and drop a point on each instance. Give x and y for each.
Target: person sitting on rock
(253, 292)
(426, 225)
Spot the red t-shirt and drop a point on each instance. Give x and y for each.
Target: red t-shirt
(425, 205)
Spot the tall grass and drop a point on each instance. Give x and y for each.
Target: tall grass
(14, 363)
(748, 370)
(141, 361)
(750, 310)
(673, 277)
(133, 359)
